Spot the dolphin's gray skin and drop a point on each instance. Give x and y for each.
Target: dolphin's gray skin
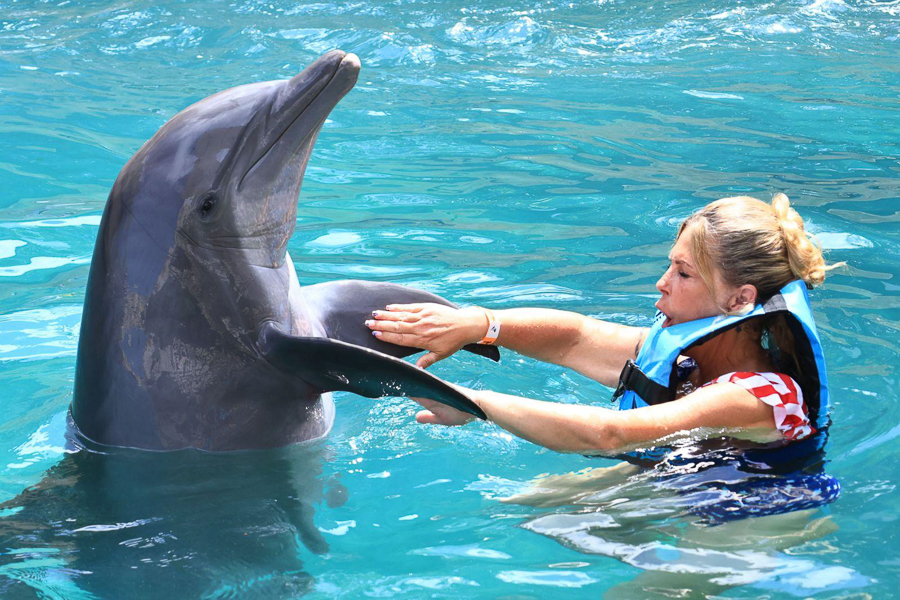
(195, 332)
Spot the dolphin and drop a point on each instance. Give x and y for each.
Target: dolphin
(196, 332)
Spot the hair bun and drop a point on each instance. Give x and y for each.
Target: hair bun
(804, 254)
(753, 242)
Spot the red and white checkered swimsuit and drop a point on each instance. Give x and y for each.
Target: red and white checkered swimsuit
(781, 393)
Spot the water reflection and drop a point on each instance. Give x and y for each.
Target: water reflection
(167, 524)
(697, 524)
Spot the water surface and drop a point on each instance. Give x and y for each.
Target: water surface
(513, 154)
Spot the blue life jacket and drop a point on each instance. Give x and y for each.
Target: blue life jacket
(653, 378)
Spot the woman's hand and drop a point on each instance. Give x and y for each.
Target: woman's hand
(440, 329)
(436, 413)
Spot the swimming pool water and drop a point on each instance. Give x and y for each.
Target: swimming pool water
(508, 154)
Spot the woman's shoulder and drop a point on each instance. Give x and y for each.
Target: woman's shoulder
(765, 383)
(782, 393)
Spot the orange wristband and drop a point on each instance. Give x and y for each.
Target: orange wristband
(493, 331)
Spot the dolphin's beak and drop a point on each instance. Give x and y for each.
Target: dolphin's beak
(331, 76)
(297, 112)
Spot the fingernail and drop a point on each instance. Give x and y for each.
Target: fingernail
(390, 307)
(375, 314)
(369, 323)
(376, 334)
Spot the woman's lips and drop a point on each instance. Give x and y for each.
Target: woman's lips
(668, 320)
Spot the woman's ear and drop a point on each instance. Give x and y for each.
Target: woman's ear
(744, 299)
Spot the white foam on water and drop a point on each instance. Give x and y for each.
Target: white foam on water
(342, 528)
(475, 239)
(42, 315)
(151, 41)
(842, 241)
(564, 579)
(93, 220)
(114, 526)
(47, 442)
(438, 583)
(713, 95)
(40, 263)
(472, 550)
(8, 247)
(782, 28)
(40, 333)
(335, 239)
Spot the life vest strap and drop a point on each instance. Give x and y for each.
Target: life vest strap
(634, 380)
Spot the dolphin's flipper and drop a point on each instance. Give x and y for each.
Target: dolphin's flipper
(335, 365)
(343, 306)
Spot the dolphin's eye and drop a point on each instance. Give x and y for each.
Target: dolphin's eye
(207, 205)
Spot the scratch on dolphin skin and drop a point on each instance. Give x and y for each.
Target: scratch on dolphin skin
(130, 331)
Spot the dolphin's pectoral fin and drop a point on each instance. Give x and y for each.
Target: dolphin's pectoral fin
(335, 365)
(343, 306)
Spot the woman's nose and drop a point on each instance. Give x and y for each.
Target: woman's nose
(663, 282)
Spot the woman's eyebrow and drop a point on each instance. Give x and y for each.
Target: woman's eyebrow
(679, 261)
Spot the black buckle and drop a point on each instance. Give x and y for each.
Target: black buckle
(624, 379)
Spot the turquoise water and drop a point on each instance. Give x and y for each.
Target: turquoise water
(511, 155)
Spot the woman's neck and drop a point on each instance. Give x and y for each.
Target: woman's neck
(737, 349)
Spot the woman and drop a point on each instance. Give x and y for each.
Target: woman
(734, 345)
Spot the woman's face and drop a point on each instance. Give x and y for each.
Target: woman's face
(685, 296)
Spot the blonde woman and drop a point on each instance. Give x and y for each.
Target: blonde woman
(733, 347)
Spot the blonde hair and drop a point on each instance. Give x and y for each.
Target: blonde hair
(751, 242)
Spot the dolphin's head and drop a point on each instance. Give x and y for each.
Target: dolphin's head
(225, 173)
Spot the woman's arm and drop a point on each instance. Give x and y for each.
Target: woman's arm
(591, 429)
(597, 349)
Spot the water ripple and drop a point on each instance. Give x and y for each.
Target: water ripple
(510, 154)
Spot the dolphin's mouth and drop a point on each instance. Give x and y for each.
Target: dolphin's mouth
(297, 110)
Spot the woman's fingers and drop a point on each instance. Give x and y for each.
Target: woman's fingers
(399, 327)
(395, 332)
(389, 326)
(437, 413)
(427, 417)
(396, 316)
(400, 339)
(427, 403)
(410, 331)
(433, 327)
(426, 360)
(413, 308)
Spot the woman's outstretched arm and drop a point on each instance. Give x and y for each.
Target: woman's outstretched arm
(592, 429)
(597, 349)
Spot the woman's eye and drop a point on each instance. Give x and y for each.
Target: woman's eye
(683, 274)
